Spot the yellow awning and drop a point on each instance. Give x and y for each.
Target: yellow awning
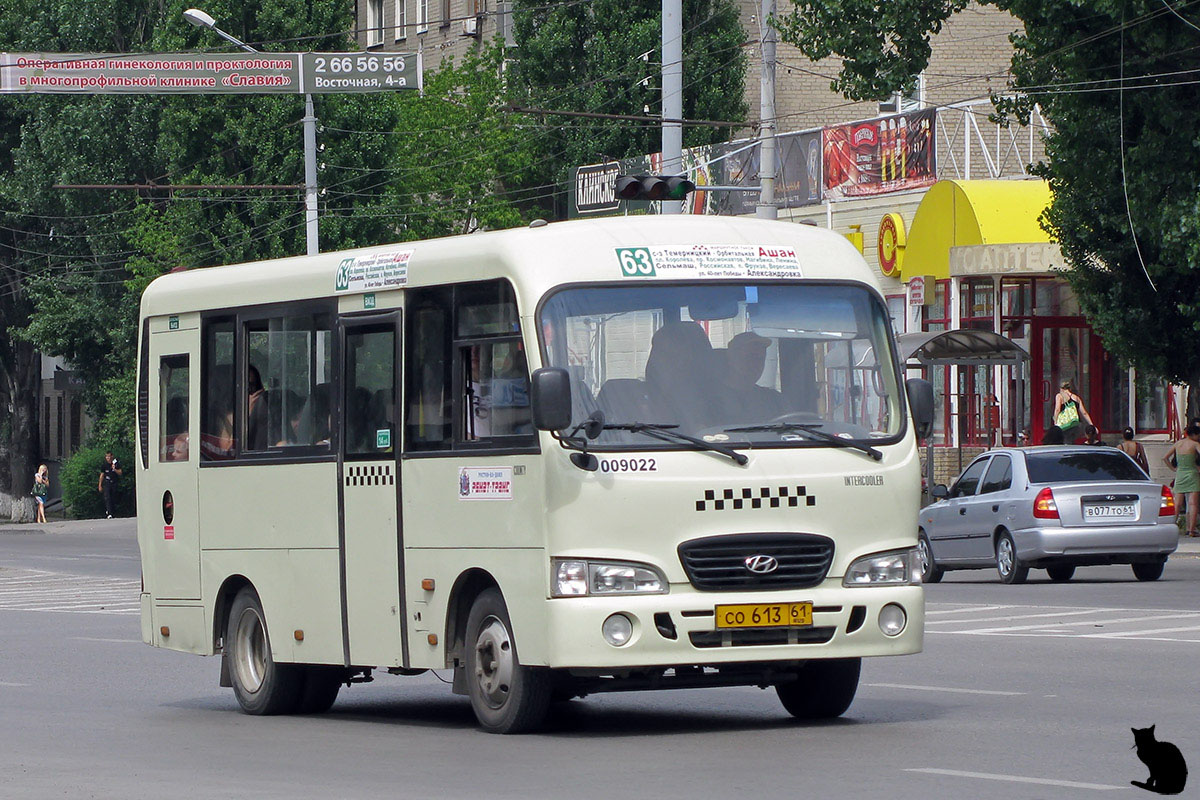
(957, 213)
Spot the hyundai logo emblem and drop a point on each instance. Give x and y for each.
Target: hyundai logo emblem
(761, 565)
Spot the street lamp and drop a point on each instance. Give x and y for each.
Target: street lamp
(202, 20)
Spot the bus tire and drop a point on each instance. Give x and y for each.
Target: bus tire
(506, 696)
(823, 688)
(321, 687)
(261, 686)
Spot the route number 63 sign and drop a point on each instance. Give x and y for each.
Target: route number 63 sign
(635, 262)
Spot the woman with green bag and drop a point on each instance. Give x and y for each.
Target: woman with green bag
(1069, 411)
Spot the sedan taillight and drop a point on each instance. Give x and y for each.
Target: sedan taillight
(1044, 506)
(1166, 508)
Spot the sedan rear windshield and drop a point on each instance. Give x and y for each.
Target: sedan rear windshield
(1082, 467)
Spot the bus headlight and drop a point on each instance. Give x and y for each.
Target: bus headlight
(580, 578)
(897, 568)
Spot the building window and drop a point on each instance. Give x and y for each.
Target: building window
(902, 102)
(374, 23)
(976, 305)
(445, 13)
(422, 16)
(401, 20)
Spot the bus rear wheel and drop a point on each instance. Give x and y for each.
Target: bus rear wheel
(823, 689)
(506, 696)
(260, 685)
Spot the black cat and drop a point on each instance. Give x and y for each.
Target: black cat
(1168, 771)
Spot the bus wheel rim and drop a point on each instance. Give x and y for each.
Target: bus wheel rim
(250, 659)
(494, 663)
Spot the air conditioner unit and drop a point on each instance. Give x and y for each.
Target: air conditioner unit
(470, 26)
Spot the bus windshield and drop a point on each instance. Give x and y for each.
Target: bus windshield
(765, 364)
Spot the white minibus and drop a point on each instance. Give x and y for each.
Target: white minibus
(619, 454)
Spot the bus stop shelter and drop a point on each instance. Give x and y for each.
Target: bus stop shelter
(966, 347)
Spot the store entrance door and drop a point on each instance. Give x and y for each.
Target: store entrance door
(1062, 349)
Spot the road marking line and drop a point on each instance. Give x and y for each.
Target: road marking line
(1128, 634)
(965, 610)
(944, 689)
(1024, 616)
(1010, 628)
(14, 685)
(988, 776)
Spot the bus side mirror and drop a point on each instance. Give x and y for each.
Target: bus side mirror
(920, 400)
(551, 395)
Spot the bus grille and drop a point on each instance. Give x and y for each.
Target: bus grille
(718, 563)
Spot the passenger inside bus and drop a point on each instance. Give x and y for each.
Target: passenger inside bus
(314, 423)
(744, 399)
(681, 376)
(175, 433)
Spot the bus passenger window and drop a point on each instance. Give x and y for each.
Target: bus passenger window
(496, 390)
(428, 357)
(217, 441)
(173, 408)
(289, 365)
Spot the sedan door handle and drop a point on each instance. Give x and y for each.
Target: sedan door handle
(995, 508)
(962, 511)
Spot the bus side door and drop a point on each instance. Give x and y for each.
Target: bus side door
(369, 491)
(173, 519)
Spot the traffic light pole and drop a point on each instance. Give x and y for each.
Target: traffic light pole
(672, 93)
(766, 164)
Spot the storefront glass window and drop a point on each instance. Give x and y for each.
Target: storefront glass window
(1151, 404)
(936, 317)
(1054, 298)
(977, 304)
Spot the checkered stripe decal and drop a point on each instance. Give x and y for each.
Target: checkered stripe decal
(763, 497)
(370, 476)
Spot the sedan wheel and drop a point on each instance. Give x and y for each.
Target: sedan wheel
(1148, 572)
(930, 571)
(1007, 564)
(1060, 573)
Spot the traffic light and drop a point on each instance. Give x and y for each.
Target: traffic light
(653, 187)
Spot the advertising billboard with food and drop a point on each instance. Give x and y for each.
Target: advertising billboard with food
(880, 155)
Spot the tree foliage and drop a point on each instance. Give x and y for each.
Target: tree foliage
(604, 56)
(1116, 80)
(73, 263)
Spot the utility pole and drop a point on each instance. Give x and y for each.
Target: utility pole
(672, 94)
(203, 20)
(766, 163)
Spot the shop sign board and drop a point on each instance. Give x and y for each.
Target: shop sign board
(920, 290)
(1034, 258)
(596, 188)
(890, 245)
(881, 155)
(207, 73)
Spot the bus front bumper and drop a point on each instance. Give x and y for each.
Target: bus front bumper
(680, 628)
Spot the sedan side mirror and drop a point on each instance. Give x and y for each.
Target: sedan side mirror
(920, 400)
(939, 492)
(550, 391)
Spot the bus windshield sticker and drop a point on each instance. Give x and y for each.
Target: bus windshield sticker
(709, 261)
(387, 270)
(485, 483)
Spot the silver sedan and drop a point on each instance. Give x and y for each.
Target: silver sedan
(1054, 508)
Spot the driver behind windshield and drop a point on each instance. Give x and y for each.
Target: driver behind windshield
(745, 401)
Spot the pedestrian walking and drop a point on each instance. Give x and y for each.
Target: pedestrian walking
(41, 487)
(110, 472)
(1069, 411)
(1134, 449)
(1187, 479)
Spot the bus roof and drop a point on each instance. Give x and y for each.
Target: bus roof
(535, 258)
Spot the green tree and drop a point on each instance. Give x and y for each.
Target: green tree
(73, 263)
(1116, 80)
(604, 56)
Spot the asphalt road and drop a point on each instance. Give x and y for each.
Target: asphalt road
(1022, 692)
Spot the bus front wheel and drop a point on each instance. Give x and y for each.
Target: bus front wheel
(506, 696)
(823, 689)
(261, 686)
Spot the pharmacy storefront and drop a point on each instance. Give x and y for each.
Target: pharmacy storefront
(975, 257)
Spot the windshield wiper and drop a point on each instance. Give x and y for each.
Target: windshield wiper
(811, 429)
(667, 433)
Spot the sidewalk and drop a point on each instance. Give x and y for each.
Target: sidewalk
(82, 526)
